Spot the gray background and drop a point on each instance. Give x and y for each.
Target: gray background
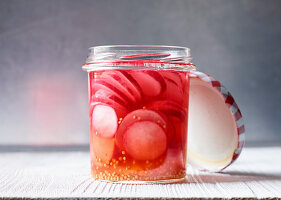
(44, 43)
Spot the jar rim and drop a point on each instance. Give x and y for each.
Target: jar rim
(139, 47)
(124, 54)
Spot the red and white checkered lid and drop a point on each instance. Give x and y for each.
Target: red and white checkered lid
(216, 132)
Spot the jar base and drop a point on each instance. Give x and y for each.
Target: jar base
(167, 181)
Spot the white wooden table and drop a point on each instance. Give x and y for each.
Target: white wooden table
(65, 173)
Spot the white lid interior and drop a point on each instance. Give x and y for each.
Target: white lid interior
(212, 132)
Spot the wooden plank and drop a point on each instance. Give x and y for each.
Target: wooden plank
(66, 174)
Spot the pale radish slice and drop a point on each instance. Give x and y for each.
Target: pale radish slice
(139, 115)
(102, 148)
(169, 108)
(145, 140)
(104, 96)
(119, 110)
(115, 80)
(135, 95)
(107, 85)
(104, 121)
(151, 82)
(173, 92)
(132, 83)
(212, 130)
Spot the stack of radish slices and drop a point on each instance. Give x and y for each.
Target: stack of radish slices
(139, 116)
(138, 121)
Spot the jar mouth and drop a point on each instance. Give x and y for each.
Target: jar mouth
(103, 48)
(133, 55)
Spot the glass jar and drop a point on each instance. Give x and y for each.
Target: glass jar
(138, 99)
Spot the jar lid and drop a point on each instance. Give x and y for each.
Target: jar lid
(215, 128)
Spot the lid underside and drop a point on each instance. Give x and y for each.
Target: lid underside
(212, 132)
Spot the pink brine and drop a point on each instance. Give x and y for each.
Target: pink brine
(138, 124)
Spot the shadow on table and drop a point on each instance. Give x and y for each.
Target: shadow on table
(233, 176)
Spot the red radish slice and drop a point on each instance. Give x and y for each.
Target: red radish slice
(183, 76)
(119, 110)
(104, 121)
(115, 80)
(97, 86)
(168, 108)
(151, 82)
(103, 148)
(145, 140)
(132, 83)
(107, 98)
(149, 85)
(133, 93)
(105, 94)
(180, 135)
(159, 78)
(184, 80)
(173, 92)
(173, 76)
(107, 85)
(139, 115)
(170, 130)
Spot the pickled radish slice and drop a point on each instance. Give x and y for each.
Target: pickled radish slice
(138, 115)
(168, 108)
(151, 82)
(105, 97)
(173, 92)
(179, 139)
(115, 80)
(106, 88)
(169, 129)
(131, 83)
(183, 76)
(159, 78)
(172, 76)
(145, 140)
(103, 148)
(111, 87)
(104, 121)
